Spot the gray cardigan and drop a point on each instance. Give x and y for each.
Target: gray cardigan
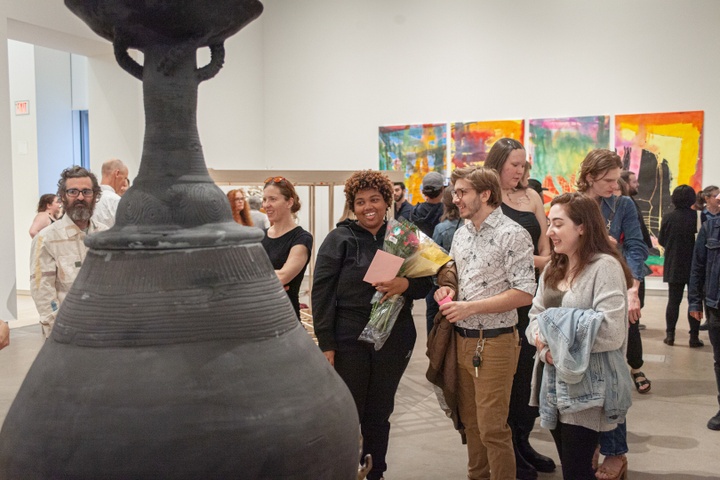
(600, 287)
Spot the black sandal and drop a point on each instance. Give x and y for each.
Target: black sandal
(640, 383)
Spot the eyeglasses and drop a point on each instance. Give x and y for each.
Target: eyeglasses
(460, 192)
(74, 192)
(275, 180)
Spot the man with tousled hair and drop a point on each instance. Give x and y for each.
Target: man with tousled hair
(58, 251)
(494, 259)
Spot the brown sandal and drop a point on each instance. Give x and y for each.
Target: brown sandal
(604, 473)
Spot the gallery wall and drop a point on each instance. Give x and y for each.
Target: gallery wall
(336, 71)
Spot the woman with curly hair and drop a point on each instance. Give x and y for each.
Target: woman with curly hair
(341, 309)
(240, 207)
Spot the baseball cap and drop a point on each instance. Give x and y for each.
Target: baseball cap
(433, 181)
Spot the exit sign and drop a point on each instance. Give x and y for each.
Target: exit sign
(22, 107)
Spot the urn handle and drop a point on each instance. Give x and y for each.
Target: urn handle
(125, 60)
(217, 59)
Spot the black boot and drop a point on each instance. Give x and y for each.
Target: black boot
(523, 470)
(695, 341)
(669, 338)
(540, 462)
(714, 422)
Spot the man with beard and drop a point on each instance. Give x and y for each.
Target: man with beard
(58, 251)
(403, 209)
(494, 260)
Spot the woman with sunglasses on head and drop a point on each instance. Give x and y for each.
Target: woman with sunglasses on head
(240, 207)
(523, 205)
(287, 244)
(579, 325)
(599, 173)
(341, 309)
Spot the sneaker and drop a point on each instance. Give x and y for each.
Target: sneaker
(705, 326)
(641, 326)
(714, 422)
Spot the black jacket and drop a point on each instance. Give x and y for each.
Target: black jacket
(339, 293)
(677, 235)
(426, 216)
(405, 211)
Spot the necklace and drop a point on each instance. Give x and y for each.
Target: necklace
(523, 199)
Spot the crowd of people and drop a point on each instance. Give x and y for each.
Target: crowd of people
(536, 316)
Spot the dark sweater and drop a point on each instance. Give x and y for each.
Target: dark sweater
(339, 293)
(426, 216)
(677, 235)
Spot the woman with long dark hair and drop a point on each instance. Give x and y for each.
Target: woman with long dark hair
(579, 325)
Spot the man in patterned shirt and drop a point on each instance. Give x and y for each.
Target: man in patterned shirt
(494, 260)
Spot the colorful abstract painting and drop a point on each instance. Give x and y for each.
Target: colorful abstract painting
(471, 141)
(557, 146)
(664, 150)
(415, 150)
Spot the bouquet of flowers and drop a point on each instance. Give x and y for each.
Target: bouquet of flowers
(423, 257)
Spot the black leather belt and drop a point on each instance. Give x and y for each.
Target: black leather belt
(487, 333)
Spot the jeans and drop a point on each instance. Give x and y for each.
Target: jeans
(484, 402)
(372, 378)
(614, 442)
(713, 316)
(576, 446)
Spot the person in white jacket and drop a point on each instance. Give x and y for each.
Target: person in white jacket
(58, 251)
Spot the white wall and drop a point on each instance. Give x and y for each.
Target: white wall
(115, 113)
(8, 297)
(21, 59)
(230, 106)
(53, 87)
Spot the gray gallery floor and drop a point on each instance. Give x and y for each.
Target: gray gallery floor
(667, 434)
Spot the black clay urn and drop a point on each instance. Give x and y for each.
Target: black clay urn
(177, 353)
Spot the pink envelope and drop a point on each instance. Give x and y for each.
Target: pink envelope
(384, 267)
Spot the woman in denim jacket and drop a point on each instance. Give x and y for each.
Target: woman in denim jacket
(586, 275)
(599, 172)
